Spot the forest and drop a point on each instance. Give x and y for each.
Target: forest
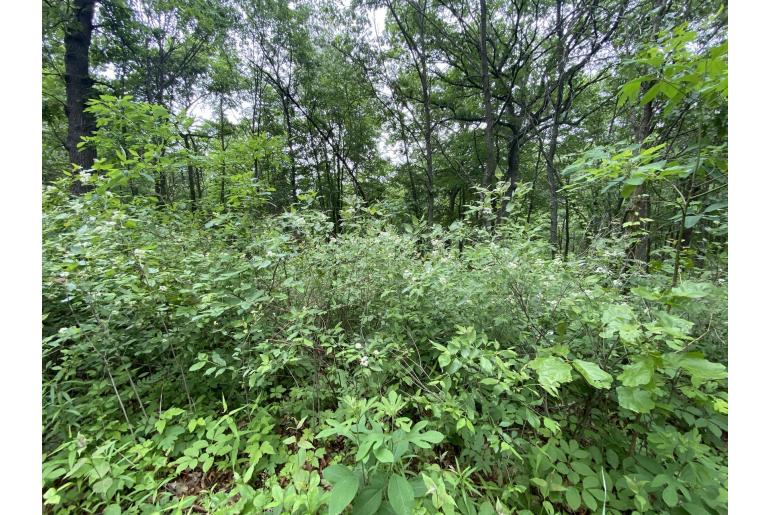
(384, 257)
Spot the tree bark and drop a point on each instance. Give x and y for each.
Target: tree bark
(514, 151)
(427, 120)
(550, 157)
(79, 84)
(190, 174)
(639, 203)
(290, 141)
(490, 162)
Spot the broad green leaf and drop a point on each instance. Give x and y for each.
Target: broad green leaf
(635, 180)
(638, 373)
(197, 366)
(336, 473)
(383, 454)
(573, 498)
(635, 399)
(582, 469)
(551, 425)
(701, 370)
(651, 93)
(691, 220)
(589, 501)
(670, 497)
(368, 501)
(593, 373)
(101, 487)
(345, 487)
(400, 495)
(646, 293)
(487, 509)
(691, 290)
(551, 372)
(216, 358)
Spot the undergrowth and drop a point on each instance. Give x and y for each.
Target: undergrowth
(222, 364)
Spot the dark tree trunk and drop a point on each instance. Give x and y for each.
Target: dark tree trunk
(190, 174)
(550, 158)
(412, 185)
(427, 118)
(639, 204)
(77, 42)
(566, 225)
(514, 150)
(452, 197)
(491, 161)
(290, 141)
(534, 184)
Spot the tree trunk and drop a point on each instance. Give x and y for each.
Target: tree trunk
(639, 203)
(514, 150)
(190, 174)
(77, 42)
(289, 138)
(550, 157)
(490, 163)
(222, 147)
(427, 121)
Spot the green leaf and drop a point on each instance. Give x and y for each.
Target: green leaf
(551, 372)
(400, 495)
(651, 94)
(715, 207)
(423, 440)
(646, 293)
(551, 425)
(197, 366)
(589, 501)
(635, 399)
(383, 454)
(701, 370)
(112, 509)
(101, 487)
(670, 497)
(582, 468)
(368, 501)
(573, 498)
(691, 220)
(638, 373)
(593, 373)
(345, 487)
(691, 290)
(216, 358)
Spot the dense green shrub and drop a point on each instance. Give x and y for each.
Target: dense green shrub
(228, 364)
